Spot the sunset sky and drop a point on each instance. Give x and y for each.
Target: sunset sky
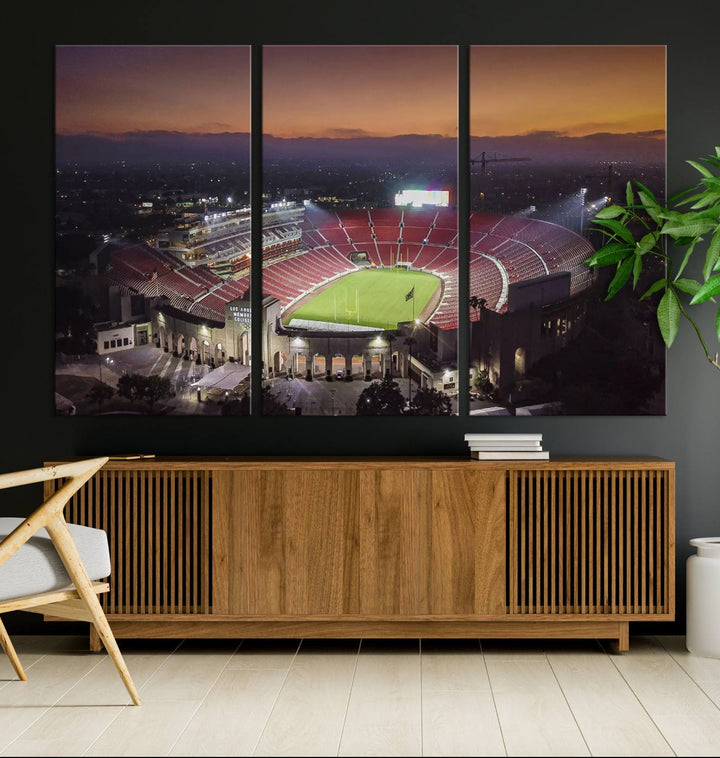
(342, 91)
(115, 89)
(576, 90)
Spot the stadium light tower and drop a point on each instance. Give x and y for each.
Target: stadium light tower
(583, 192)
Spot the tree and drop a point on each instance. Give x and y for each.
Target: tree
(430, 402)
(477, 302)
(236, 407)
(156, 388)
(381, 399)
(131, 386)
(99, 393)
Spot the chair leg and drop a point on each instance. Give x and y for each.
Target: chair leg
(7, 646)
(70, 557)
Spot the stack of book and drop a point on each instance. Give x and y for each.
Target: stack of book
(507, 447)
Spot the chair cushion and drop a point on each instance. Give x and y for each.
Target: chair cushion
(36, 567)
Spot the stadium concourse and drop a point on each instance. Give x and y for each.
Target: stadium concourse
(517, 266)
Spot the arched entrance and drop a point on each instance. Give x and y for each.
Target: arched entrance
(181, 344)
(219, 354)
(279, 361)
(520, 363)
(318, 365)
(338, 365)
(193, 347)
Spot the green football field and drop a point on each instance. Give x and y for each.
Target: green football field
(374, 297)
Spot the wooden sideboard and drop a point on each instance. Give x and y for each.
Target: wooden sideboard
(384, 547)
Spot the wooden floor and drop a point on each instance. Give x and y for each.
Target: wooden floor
(354, 698)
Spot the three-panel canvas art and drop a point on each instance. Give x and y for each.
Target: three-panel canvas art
(363, 255)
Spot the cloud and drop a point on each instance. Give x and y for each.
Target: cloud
(345, 133)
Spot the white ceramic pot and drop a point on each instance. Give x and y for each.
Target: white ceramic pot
(703, 598)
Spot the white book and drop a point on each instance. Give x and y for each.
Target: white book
(503, 437)
(511, 456)
(516, 447)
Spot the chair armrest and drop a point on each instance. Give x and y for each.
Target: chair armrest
(77, 474)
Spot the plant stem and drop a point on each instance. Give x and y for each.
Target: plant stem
(713, 361)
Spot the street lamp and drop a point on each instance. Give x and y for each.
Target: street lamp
(583, 192)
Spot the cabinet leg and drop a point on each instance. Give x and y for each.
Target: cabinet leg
(95, 643)
(622, 643)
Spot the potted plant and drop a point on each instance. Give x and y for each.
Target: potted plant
(642, 226)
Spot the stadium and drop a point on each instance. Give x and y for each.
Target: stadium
(356, 293)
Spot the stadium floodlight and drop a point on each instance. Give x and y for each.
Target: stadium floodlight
(419, 198)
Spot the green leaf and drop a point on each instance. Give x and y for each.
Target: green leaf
(629, 197)
(711, 182)
(637, 268)
(708, 290)
(687, 285)
(611, 253)
(617, 228)
(654, 287)
(668, 316)
(646, 244)
(647, 191)
(712, 257)
(685, 260)
(687, 228)
(612, 211)
(621, 276)
(708, 199)
(699, 167)
(651, 206)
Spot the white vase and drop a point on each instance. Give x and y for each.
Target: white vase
(703, 598)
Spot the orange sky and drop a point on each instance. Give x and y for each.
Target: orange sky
(336, 91)
(115, 89)
(576, 89)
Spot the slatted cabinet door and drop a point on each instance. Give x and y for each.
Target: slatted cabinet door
(589, 541)
(158, 523)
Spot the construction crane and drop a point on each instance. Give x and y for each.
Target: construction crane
(484, 158)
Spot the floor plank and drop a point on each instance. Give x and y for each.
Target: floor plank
(460, 722)
(705, 672)
(384, 712)
(150, 729)
(453, 665)
(533, 714)
(233, 715)
(686, 716)
(264, 654)
(190, 672)
(310, 710)
(610, 717)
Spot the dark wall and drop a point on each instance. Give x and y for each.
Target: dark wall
(688, 435)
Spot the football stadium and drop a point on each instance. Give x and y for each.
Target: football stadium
(354, 294)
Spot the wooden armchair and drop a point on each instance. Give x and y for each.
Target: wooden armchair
(48, 566)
